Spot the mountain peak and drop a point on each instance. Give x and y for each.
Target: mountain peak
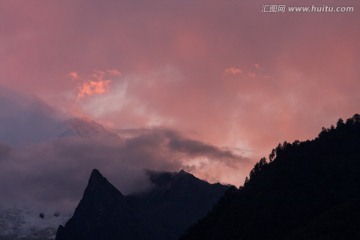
(95, 176)
(103, 213)
(87, 129)
(161, 179)
(183, 173)
(100, 185)
(184, 176)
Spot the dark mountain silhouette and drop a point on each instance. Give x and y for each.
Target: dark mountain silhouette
(308, 190)
(176, 201)
(103, 213)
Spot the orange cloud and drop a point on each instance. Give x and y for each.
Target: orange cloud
(99, 82)
(91, 87)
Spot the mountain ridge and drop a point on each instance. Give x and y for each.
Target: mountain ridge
(161, 213)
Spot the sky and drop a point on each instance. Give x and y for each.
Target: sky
(209, 86)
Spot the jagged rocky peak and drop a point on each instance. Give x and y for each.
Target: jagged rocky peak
(97, 180)
(96, 176)
(103, 213)
(99, 187)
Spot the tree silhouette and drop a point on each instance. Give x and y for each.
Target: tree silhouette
(308, 190)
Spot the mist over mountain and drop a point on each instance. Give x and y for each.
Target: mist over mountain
(86, 128)
(142, 89)
(307, 190)
(45, 155)
(27, 119)
(164, 212)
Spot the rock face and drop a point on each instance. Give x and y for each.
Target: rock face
(103, 213)
(309, 190)
(176, 201)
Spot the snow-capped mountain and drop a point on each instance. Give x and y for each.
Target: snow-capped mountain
(28, 120)
(88, 129)
(26, 224)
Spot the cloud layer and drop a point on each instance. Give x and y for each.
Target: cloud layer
(54, 174)
(50, 168)
(27, 120)
(219, 72)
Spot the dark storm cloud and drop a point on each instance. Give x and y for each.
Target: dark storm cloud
(197, 148)
(175, 142)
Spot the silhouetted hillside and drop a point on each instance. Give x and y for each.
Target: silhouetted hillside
(307, 190)
(164, 212)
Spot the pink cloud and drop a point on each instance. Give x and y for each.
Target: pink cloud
(305, 76)
(233, 71)
(74, 75)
